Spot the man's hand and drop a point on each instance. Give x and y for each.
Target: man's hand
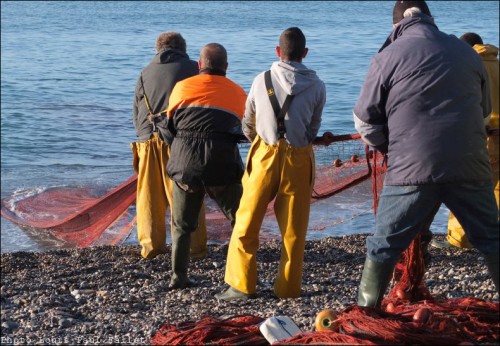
(325, 139)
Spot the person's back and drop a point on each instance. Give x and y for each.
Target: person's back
(425, 99)
(207, 125)
(303, 119)
(280, 166)
(170, 65)
(154, 188)
(435, 119)
(204, 114)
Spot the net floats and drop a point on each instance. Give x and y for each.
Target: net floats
(326, 320)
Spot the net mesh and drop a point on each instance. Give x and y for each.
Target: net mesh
(412, 318)
(78, 217)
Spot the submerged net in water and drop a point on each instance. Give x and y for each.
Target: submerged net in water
(78, 217)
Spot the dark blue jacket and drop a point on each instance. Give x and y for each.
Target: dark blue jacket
(426, 94)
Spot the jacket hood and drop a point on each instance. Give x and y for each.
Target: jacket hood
(293, 77)
(486, 51)
(405, 24)
(168, 55)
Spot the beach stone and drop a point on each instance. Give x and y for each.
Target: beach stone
(10, 325)
(124, 295)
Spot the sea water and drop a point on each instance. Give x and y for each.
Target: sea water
(68, 72)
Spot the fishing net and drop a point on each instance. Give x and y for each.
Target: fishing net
(409, 315)
(434, 322)
(236, 330)
(79, 217)
(74, 215)
(461, 321)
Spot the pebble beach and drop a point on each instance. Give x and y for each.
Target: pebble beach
(110, 295)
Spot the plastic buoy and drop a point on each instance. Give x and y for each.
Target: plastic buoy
(326, 320)
(422, 315)
(337, 163)
(403, 295)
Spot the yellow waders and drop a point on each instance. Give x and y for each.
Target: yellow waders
(154, 195)
(456, 234)
(286, 173)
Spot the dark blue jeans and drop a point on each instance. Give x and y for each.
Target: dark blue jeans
(403, 211)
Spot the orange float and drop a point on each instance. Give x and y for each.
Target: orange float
(337, 163)
(326, 320)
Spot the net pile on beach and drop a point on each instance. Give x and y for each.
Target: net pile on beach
(465, 321)
(78, 217)
(408, 315)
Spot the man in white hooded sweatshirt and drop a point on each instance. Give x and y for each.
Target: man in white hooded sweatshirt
(280, 166)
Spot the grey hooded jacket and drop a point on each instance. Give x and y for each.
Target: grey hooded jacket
(303, 118)
(426, 94)
(158, 79)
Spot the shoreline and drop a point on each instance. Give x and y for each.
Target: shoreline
(110, 295)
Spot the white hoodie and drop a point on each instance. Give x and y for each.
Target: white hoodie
(303, 119)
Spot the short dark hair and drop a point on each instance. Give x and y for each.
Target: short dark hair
(471, 38)
(214, 56)
(292, 44)
(170, 40)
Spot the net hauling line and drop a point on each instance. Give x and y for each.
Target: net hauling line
(73, 215)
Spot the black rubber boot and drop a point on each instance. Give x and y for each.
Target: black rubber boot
(374, 282)
(492, 264)
(180, 260)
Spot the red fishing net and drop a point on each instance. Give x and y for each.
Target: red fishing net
(73, 214)
(77, 216)
(465, 321)
(236, 330)
(409, 314)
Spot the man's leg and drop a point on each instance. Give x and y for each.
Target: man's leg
(185, 213)
(292, 207)
(456, 235)
(475, 207)
(259, 186)
(199, 237)
(227, 198)
(151, 201)
(403, 211)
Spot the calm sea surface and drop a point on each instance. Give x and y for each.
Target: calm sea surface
(68, 71)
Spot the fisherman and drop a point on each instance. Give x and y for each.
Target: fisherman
(204, 118)
(426, 101)
(489, 55)
(282, 118)
(151, 153)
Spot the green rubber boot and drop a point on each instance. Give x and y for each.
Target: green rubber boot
(374, 281)
(492, 264)
(180, 260)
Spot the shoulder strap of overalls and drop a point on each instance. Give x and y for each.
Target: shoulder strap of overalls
(279, 112)
(151, 116)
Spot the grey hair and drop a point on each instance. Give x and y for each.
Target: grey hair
(411, 11)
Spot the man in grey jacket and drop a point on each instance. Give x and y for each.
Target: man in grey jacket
(280, 166)
(151, 153)
(424, 101)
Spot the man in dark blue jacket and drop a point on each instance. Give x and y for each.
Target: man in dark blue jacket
(424, 102)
